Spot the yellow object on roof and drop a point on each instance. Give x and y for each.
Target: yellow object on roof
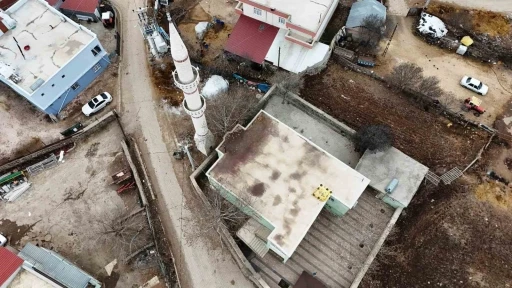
(466, 41)
(321, 193)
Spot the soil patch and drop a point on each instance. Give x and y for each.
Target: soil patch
(358, 100)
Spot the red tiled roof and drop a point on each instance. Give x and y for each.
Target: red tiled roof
(10, 263)
(88, 6)
(251, 39)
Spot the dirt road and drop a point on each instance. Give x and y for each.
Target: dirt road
(449, 68)
(199, 265)
(491, 5)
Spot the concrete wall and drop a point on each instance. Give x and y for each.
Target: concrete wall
(84, 82)
(334, 206)
(70, 73)
(233, 199)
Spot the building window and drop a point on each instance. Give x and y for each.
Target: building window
(75, 86)
(257, 11)
(53, 85)
(96, 50)
(63, 76)
(96, 67)
(281, 20)
(42, 94)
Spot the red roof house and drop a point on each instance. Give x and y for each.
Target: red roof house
(84, 8)
(9, 267)
(251, 39)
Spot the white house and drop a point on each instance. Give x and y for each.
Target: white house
(46, 57)
(282, 32)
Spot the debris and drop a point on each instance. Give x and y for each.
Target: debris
(201, 29)
(48, 237)
(432, 26)
(61, 156)
(214, 86)
(110, 267)
(151, 283)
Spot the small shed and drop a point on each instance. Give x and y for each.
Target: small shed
(54, 268)
(383, 167)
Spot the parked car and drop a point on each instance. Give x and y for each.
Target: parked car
(97, 103)
(3, 240)
(474, 85)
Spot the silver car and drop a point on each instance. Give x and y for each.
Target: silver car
(97, 103)
(474, 85)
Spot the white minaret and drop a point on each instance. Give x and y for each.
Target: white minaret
(186, 77)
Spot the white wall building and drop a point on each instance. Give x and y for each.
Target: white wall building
(46, 57)
(294, 44)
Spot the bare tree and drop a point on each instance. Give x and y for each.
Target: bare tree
(220, 213)
(374, 138)
(230, 108)
(450, 102)
(123, 231)
(287, 83)
(374, 27)
(405, 75)
(429, 86)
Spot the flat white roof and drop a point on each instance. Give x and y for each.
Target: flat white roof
(294, 57)
(308, 14)
(278, 170)
(52, 40)
(383, 167)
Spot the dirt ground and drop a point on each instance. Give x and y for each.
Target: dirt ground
(502, 6)
(222, 9)
(69, 216)
(25, 129)
(358, 100)
(450, 236)
(449, 68)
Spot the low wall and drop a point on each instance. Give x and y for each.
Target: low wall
(91, 128)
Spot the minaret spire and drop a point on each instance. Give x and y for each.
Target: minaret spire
(186, 77)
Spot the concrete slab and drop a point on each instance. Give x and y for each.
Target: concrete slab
(314, 130)
(382, 167)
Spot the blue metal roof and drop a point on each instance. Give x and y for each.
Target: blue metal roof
(55, 266)
(363, 8)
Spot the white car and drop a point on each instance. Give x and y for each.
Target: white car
(3, 240)
(474, 85)
(97, 103)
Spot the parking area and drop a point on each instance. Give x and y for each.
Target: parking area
(449, 68)
(74, 209)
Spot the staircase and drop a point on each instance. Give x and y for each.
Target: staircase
(254, 235)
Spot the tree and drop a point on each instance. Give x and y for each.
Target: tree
(405, 75)
(373, 24)
(123, 232)
(429, 86)
(228, 109)
(374, 138)
(287, 82)
(220, 213)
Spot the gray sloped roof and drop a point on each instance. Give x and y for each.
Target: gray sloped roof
(363, 8)
(55, 266)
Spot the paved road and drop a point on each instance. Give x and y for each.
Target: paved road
(491, 5)
(201, 266)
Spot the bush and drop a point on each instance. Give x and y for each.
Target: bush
(405, 75)
(374, 138)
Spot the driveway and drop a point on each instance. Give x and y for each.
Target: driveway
(449, 68)
(198, 264)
